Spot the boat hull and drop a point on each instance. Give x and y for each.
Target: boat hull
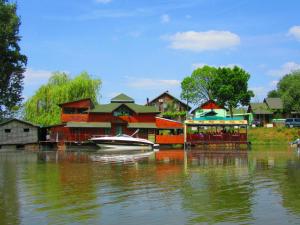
(123, 147)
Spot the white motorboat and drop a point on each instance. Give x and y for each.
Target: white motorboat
(123, 142)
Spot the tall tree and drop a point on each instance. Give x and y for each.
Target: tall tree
(188, 90)
(289, 90)
(198, 87)
(43, 109)
(203, 78)
(230, 87)
(12, 62)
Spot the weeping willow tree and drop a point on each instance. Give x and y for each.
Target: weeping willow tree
(43, 109)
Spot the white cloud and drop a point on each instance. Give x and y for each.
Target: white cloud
(36, 76)
(153, 84)
(295, 32)
(200, 65)
(203, 41)
(103, 1)
(165, 18)
(284, 69)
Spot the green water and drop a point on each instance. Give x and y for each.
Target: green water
(261, 187)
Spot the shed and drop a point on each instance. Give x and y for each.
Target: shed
(16, 133)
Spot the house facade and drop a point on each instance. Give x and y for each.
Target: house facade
(15, 133)
(81, 120)
(169, 106)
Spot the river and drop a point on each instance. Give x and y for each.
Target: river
(261, 186)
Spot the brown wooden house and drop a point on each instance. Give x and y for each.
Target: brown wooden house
(169, 106)
(82, 119)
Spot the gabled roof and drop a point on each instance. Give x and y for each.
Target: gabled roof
(15, 119)
(167, 93)
(209, 104)
(260, 108)
(109, 108)
(274, 103)
(79, 100)
(122, 98)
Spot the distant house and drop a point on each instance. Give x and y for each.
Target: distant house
(267, 110)
(15, 133)
(276, 106)
(167, 104)
(209, 108)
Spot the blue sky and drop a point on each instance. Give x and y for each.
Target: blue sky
(143, 48)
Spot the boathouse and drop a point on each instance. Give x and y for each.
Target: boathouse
(81, 120)
(211, 126)
(18, 134)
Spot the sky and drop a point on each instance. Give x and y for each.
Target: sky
(143, 48)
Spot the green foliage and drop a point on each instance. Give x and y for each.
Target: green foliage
(204, 77)
(198, 86)
(188, 90)
(43, 109)
(174, 115)
(289, 91)
(273, 94)
(230, 87)
(12, 62)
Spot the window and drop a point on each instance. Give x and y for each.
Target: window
(122, 111)
(26, 129)
(7, 130)
(69, 110)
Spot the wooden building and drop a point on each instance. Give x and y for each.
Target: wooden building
(169, 106)
(18, 134)
(82, 120)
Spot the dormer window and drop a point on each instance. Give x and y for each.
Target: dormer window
(122, 111)
(67, 110)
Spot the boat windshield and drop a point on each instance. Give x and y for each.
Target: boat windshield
(123, 135)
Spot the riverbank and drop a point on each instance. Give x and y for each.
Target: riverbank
(272, 136)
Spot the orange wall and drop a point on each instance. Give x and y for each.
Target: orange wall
(169, 139)
(74, 117)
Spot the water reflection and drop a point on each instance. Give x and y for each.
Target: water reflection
(171, 187)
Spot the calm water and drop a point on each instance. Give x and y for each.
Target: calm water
(168, 187)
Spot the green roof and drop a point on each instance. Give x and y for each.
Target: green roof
(274, 103)
(89, 124)
(122, 98)
(109, 108)
(239, 111)
(142, 125)
(260, 108)
(217, 118)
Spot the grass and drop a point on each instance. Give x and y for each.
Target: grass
(272, 136)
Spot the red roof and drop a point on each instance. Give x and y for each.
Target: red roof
(163, 123)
